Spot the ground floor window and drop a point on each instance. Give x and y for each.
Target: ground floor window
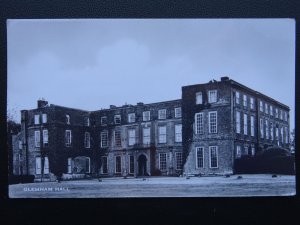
(69, 165)
(38, 165)
(178, 157)
(118, 164)
(200, 157)
(213, 156)
(104, 165)
(79, 165)
(131, 164)
(238, 151)
(162, 161)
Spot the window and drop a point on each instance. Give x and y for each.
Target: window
(69, 165)
(104, 139)
(212, 122)
(267, 129)
(252, 125)
(281, 115)
(103, 120)
(162, 161)
(118, 164)
(277, 134)
(104, 165)
(286, 135)
(20, 145)
(238, 151)
(87, 140)
(162, 114)
(45, 138)
(118, 138)
(36, 119)
(131, 117)
(131, 137)
(199, 98)
(271, 110)
(237, 97)
(261, 128)
(131, 164)
(146, 116)
(238, 122)
(86, 121)
(199, 123)
(67, 119)
(146, 135)
(178, 112)
(266, 108)
(252, 151)
(213, 156)
(117, 119)
(68, 138)
(178, 133)
(261, 107)
(276, 113)
(200, 157)
(44, 118)
(281, 134)
(212, 96)
(271, 131)
(251, 103)
(245, 124)
(178, 156)
(162, 134)
(245, 100)
(285, 116)
(38, 165)
(37, 138)
(246, 149)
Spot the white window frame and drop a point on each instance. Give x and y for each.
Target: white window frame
(266, 108)
(146, 135)
(271, 110)
(37, 139)
(251, 103)
(245, 100)
(131, 164)
(69, 165)
(212, 128)
(178, 132)
(199, 98)
(164, 163)
(38, 165)
(267, 129)
(211, 148)
(87, 121)
(162, 134)
(162, 114)
(237, 97)
(104, 139)
(68, 138)
(281, 134)
(252, 125)
(178, 112)
(146, 116)
(261, 106)
(87, 140)
(286, 135)
(252, 151)
(178, 159)
(272, 131)
(103, 120)
(276, 112)
(68, 119)
(45, 137)
(37, 119)
(131, 137)
(198, 149)
(238, 122)
(212, 96)
(118, 143)
(46, 165)
(118, 156)
(261, 126)
(131, 117)
(116, 118)
(44, 118)
(245, 124)
(199, 127)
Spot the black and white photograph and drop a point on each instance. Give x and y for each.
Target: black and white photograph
(130, 108)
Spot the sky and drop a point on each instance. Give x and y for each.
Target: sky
(91, 64)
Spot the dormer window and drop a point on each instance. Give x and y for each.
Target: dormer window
(103, 120)
(212, 96)
(68, 119)
(117, 119)
(199, 98)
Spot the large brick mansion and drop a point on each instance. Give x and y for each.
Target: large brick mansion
(201, 133)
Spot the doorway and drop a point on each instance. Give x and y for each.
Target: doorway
(142, 166)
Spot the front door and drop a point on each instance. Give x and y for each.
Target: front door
(142, 161)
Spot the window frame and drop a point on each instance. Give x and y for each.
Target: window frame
(103, 120)
(131, 139)
(162, 137)
(199, 123)
(210, 125)
(37, 139)
(45, 137)
(211, 98)
(44, 118)
(199, 98)
(162, 114)
(178, 114)
(146, 137)
(245, 124)
(68, 141)
(145, 116)
(131, 117)
(104, 134)
(210, 157)
(179, 160)
(87, 140)
(164, 163)
(118, 138)
(116, 118)
(118, 166)
(36, 119)
(199, 158)
(178, 135)
(245, 102)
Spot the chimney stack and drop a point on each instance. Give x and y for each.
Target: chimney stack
(41, 103)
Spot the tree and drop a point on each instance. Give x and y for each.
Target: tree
(292, 140)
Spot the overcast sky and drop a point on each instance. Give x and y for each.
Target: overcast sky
(91, 64)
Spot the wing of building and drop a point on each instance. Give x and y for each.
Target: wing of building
(201, 133)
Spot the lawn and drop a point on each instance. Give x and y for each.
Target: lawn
(248, 185)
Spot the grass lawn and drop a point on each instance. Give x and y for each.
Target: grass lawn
(249, 185)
